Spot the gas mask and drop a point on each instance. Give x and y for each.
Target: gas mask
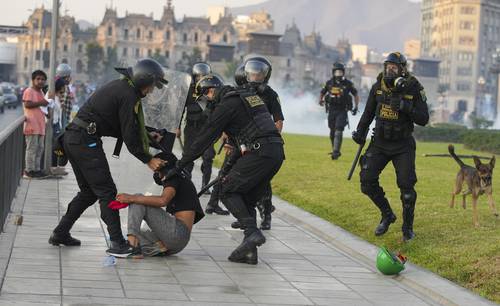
(338, 75)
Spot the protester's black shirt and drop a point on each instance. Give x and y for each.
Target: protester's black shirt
(185, 197)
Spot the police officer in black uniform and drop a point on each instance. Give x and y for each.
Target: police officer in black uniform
(271, 98)
(195, 118)
(114, 110)
(244, 117)
(397, 101)
(337, 95)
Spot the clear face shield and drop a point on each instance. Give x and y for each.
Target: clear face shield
(200, 70)
(256, 71)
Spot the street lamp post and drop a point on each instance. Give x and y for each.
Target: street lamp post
(52, 75)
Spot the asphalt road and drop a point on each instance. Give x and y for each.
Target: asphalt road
(9, 116)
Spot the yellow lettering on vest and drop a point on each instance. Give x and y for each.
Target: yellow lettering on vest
(254, 101)
(386, 112)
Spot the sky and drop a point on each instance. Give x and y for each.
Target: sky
(17, 11)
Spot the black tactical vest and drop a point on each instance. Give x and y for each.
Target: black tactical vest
(194, 112)
(391, 124)
(337, 95)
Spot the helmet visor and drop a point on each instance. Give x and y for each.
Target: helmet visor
(338, 73)
(256, 71)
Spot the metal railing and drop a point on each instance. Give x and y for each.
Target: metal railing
(11, 165)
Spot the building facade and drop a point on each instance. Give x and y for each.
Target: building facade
(463, 35)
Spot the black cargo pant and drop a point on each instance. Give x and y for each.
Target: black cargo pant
(249, 179)
(337, 120)
(191, 131)
(89, 163)
(374, 161)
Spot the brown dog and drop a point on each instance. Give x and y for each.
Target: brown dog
(478, 181)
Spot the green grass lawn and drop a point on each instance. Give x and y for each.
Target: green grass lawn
(446, 242)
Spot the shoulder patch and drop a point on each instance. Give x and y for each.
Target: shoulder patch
(379, 92)
(408, 97)
(254, 100)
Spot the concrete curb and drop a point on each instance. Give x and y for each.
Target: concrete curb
(422, 281)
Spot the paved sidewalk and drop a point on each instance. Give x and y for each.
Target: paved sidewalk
(305, 261)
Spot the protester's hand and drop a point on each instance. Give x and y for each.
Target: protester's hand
(358, 137)
(178, 133)
(156, 163)
(125, 198)
(51, 95)
(321, 102)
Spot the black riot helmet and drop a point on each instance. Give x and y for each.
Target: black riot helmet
(207, 82)
(240, 77)
(147, 72)
(258, 70)
(200, 70)
(338, 71)
(390, 75)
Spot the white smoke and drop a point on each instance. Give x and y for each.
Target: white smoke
(304, 115)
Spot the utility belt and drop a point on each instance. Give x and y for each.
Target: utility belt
(258, 142)
(392, 131)
(89, 127)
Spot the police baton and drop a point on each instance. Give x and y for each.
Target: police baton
(355, 161)
(205, 188)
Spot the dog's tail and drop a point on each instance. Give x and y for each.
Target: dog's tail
(451, 149)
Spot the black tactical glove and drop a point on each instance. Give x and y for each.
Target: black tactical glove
(358, 137)
(354, 111)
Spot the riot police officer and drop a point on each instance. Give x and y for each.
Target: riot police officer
(244, 117)
(114, 110)
(397, 101)
(271, 98)
(337, 95)
(195, 119)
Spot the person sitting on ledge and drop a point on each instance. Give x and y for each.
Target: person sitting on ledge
(170, 229)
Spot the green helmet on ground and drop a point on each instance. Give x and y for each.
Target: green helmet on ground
(388, 263)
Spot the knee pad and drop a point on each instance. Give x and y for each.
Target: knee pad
(371, 189)
(408, 197)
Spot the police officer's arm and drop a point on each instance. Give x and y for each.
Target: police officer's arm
(354, 92)
(276, 111)
(322, 95)
(368, 113)
(130, 130)
(212, 130)
(420, 111)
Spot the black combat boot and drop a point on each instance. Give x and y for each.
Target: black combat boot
(250, 258)
(64, 239)
(265, 214)
(337, 144)
(388, 217)
(236, 224)
(253, 238)
(408, 198)
(214, 208)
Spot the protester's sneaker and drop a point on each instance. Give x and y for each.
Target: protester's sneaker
(124, 250)
(154, 250)
(64, 239)
(28, 174)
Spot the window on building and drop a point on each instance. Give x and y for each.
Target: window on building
(466, 25)
(224, 38)
(79, 66)
(195, 37)
(463, 86)
(125, 34)
(167, 35)
(462, 106)
(110, 30)
(185, 37)
(288, 62)
(150, 36)
(466, 40)
(37, 55)
(124, 52)
(137, 52)
(208, 38)
(464, 71)
(65, 48)
(138, 34)
(80, 48)
(467, 10)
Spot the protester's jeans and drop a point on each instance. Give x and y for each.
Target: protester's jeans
(34, 151)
